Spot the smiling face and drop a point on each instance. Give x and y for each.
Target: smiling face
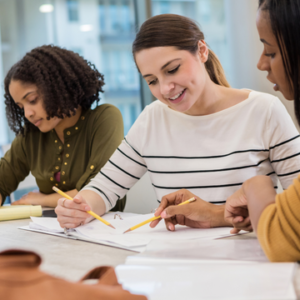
(27, 97)
(271, 58)
(175, 77)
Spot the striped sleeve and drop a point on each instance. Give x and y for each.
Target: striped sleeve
(125, 167)
(284, 141)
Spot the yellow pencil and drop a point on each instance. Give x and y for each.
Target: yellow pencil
(89, 212)
(155, 218)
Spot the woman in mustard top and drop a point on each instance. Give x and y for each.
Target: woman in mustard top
(59, 138)
(274, 218)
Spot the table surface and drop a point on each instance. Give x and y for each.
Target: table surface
(61, 256)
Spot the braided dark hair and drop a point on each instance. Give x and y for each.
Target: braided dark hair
(65, 79)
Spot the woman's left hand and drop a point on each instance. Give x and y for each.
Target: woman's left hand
(236, 212)
(32, 198)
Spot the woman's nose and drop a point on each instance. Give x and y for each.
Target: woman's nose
(263, 63)
(28, 112)
(166, 88)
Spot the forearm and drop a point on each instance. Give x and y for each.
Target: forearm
(96, 202)
(260, 193)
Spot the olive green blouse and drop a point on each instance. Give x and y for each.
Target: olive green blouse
(88, 146)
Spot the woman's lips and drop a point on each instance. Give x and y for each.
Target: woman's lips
(37, 123)
(177, 100)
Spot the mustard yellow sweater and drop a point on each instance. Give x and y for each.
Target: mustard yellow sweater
(279, 226)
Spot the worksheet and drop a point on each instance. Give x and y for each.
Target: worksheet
(98, 231)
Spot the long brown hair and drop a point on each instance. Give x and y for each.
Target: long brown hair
(180, 32)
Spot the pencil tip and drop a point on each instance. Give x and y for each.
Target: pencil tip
(111, 226)
(127, 231)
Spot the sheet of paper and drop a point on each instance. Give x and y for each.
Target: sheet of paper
(220, 249)
(257, 281)
(81, 238)
(98, 231)
(143, 235)
(46, 224)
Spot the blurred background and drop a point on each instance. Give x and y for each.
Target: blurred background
(103, 30)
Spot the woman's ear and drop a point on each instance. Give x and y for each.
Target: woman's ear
(203, 51)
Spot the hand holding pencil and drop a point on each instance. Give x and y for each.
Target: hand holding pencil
(199, 214)
(75, 213)
(157, 217)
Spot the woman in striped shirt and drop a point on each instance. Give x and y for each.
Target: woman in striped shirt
(200, 135)
(275, 218)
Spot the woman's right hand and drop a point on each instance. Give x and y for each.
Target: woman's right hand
(198, 214)
(71, 214)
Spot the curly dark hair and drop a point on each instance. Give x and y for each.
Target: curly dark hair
(65, 80)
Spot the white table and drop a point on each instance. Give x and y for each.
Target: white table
(72, 259)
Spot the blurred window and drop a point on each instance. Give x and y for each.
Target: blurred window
(73, 7)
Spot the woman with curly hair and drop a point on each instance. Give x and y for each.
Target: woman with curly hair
(59, 138)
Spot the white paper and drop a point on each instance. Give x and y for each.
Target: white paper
(46, 224)
(81, 238)
(257, 281)
(221, 249)
(98, 231)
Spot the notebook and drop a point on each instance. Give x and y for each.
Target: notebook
(14, 212)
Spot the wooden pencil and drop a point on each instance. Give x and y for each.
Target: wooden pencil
(89, 211)
(158, 217)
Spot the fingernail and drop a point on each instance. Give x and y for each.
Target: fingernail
(163, 214)
(87, 208)
(170, 227)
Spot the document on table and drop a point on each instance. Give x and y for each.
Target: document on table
(98, 232)
(209, 281)
(192, 251)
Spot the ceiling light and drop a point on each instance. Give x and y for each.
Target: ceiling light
(86, 27)
(46, 8)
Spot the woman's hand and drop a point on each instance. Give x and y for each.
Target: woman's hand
(198, 214)
(236, 212)
(71, 214)
(32, 198)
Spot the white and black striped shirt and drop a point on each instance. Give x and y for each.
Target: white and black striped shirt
(209, 155)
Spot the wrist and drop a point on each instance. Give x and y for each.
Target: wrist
(218, 219)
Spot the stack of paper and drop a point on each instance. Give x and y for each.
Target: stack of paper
(209, 281)
(96, 231)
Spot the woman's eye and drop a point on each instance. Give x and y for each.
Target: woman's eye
(272, 55)
(32, 101)
(152, 82)
(174, 70)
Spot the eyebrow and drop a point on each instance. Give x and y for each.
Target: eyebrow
(164, 66)
(27, 94)
(265, 42)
